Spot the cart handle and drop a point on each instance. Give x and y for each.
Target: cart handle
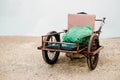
(103, 20)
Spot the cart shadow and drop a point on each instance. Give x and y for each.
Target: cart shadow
(74, 65)
(72, 62)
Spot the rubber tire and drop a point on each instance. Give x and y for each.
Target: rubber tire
(45, 52)
(93, 63)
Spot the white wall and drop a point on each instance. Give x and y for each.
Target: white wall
(37, 17)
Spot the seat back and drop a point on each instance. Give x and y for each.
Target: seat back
(81, 20)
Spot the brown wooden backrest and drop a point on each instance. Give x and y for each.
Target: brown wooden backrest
(81, 20)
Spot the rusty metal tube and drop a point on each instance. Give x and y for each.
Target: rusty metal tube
(98, 50)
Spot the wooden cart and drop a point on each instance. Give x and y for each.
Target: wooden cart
(91, 52)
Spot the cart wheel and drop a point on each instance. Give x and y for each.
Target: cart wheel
(92, 60)
(51, 57)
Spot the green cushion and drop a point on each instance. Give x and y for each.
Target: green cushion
(63, 46)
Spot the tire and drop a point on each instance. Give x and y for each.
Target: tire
(93, 45)
(55, 54)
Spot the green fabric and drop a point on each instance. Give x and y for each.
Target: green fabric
(77, 32)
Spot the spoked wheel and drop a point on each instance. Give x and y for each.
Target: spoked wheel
(92, 60)
(51, 57)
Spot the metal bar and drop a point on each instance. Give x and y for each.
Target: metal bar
(95, 52)
(98, 50)
(82, 49)
(59, 50)
(98, 20)
(52, 34)
(59, 42)
(103, 20)
(77, 51)
(39, 48)
(42, 42)
(59, 46)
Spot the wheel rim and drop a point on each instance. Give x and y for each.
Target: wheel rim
(92, 60)
(51, 57)
(94, 45)
(51, 54)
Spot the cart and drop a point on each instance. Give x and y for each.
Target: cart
(51, 53)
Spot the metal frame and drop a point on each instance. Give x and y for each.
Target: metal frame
(83, 50)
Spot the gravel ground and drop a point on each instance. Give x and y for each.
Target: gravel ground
(20, 60)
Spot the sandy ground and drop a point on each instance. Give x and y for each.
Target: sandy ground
(20, 60)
